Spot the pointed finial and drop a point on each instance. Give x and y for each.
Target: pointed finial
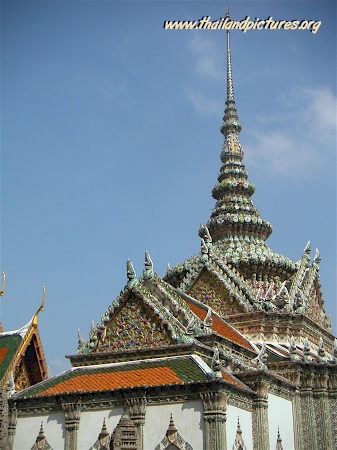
(104, 432)
(239, 443)
(148, 265)
(80, 340)
(230, 119)
(306, 350)
(307, 248)
(279, 440)
(172, 430)
(130, 272)
(204, 248)
(41, 432)
(320, 350)
(3, 284)
(208, 319)
(148, 261)
(334, 351)
(230, 90)
(35, 321)
(317, 258)
(238, 430)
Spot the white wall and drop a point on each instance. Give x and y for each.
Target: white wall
(233, 413)
(91, 424)
(280, 414)
(28, 427)
(187, 417)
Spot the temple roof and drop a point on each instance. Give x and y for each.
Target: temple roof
(107, 377)
(150, 313)
(22, 362)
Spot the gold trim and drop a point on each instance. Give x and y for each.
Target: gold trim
(3, 284)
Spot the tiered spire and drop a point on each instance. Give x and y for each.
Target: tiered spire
(279, 445)
(238, 443)
(235, 224)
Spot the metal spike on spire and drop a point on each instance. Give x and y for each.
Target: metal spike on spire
(230, 119)
(279, 440)
(230, 90)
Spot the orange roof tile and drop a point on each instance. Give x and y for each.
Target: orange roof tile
(113, 380)
(124, 375)
(3, 352)
(220, 326)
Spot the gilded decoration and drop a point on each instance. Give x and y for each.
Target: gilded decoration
(22, 380)
(210, 291)
(134, 326)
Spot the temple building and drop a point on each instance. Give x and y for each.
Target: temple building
(231, 349)
(22, 364)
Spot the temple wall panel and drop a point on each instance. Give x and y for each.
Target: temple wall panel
(245, 418)
(188, 419)
(28, 427)
(91, 424)
(280, 414)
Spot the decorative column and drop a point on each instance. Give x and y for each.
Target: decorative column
(137, 410)
(333, 399)
(72, 412)
(297, 421)
(12, 419)
(215, 405)
(308, 428)
(260, 416)
(324, 437)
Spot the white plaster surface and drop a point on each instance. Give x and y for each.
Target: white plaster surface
(280, 414)
(245, 417)
(187, 417)
(28, 427)
(91, 424)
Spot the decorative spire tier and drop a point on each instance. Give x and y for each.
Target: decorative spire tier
(235, 224)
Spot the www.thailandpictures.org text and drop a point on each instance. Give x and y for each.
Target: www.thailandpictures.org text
(205, 23)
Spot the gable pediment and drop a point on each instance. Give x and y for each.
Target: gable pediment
(213, 292)
(135, 324)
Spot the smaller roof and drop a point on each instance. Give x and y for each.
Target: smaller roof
(218, 324)
(152, 372)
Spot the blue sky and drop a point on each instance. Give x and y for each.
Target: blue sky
(110, 145)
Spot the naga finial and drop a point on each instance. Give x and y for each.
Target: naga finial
(317, 258)
(307, 248)
(262, 356)
(130, 272)
(320, 350)
(205, 234)
(148, 265)
(3, 284)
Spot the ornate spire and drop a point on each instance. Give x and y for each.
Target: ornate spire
(41, 441)
(235, 224)
(279, 445)
(230, 119)
(238, 443)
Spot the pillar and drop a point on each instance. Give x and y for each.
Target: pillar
(215, 405)
(137, 410)
(308, 424)
(324, 437)
(260, 416)
(12, 419)
(72, 412)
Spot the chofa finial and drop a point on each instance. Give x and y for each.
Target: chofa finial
(3, 284)
(41, 306)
